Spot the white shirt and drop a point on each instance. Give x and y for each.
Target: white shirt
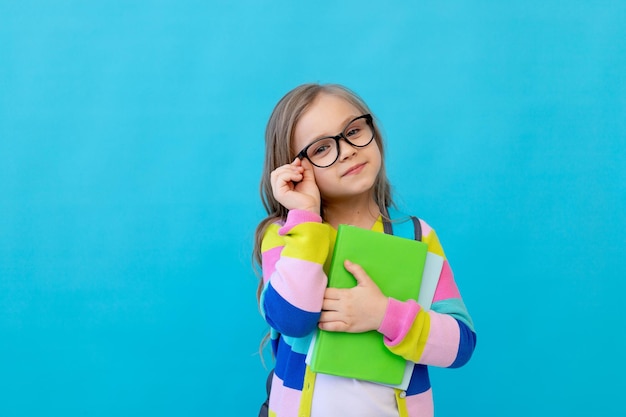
(334, 396)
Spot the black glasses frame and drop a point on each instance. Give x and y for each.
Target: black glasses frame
(304, 154)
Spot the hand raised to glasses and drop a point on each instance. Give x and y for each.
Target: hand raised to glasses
(293, 186)
(354, 310)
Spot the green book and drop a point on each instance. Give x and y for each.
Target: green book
(396, 265)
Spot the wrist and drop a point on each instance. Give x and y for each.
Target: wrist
(314, 210)
(381, 312)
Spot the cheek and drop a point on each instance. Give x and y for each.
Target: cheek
(321, 177)
(325, 182)
(377, 160)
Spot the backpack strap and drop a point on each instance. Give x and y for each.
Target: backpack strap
(264, 410)
(400, 225)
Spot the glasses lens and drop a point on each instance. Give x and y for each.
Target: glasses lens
(323, 152)
(359, 132)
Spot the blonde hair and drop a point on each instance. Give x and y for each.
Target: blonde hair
(279, 151)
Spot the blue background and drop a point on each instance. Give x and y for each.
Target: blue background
(131, 140)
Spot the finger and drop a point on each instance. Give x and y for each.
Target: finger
(287, 168)
(308, 169)
(333, 293)
(285, 174)
(290, 176)
(330, 305)
(296, 168)
(329, 316)
(334, 326)
(283, 185)
(357, 271)
(331, 321)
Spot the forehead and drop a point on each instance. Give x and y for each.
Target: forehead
(327, 115)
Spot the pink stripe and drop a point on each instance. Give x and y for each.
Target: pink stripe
(284, 401)
(269, 259)
(426, 229)
(300, 282)
(295, 217)
(446, 288)
(398, 319)
(421, 405)
(443, 341)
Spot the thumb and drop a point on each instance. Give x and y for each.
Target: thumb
(358, 272)
(308, 170)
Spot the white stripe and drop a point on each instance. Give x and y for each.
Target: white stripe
(430, 279)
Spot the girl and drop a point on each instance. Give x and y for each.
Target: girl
(324, 167)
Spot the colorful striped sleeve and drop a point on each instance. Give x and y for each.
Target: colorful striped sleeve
(293, 256)
(442, 335)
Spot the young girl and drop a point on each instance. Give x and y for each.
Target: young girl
(325, 166)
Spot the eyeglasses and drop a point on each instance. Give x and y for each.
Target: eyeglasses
(324, 152)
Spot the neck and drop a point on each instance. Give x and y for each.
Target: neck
(362, 212)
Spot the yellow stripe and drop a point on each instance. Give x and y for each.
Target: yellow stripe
(378, 226)
(413, 344)
(433, 244)
(307, 393)
(271, 238)
(308, 241)
(401, 401)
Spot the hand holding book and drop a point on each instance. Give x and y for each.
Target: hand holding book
(354, 310)
(394, 268)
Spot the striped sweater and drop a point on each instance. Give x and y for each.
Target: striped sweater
(295, 256)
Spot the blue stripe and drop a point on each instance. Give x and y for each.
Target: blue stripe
(285, 317)
(420, 382)
(454, 307)
(299, 344)
(290, 366)
(466, 345)
(274, 343)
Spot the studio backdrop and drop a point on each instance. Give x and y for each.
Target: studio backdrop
(131, 149)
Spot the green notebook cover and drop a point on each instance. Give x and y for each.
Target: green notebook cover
(396, 265)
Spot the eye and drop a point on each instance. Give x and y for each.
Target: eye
(319, 149)
(352, 131)
(355, 128)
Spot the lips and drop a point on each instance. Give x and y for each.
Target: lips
(354, 170)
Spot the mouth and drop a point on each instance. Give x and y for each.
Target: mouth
(354, 170)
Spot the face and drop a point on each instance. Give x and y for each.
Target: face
(356, 169)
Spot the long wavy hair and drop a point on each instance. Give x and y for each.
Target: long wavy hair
(279, 151)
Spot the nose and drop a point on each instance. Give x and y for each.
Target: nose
(345, 149)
